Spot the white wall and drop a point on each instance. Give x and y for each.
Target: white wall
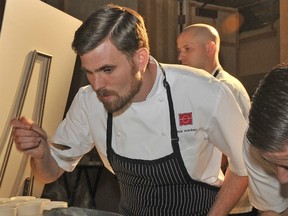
(33, 25)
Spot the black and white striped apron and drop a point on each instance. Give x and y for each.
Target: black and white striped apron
(160, 187)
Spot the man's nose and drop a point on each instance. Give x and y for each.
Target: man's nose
(97, 82)
(282, 174)
(180, 56)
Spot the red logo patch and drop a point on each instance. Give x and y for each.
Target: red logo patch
(185, 119)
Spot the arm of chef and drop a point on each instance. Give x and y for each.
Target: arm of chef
(226, 131)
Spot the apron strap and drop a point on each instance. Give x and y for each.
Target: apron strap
(173, 128)
(109, 133)
(216, 73)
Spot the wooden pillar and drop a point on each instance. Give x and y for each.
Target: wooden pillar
(161, 19)
(283, 31)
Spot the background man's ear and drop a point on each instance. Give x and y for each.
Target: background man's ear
(211, 47)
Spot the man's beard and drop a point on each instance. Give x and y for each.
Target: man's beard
(123, 101)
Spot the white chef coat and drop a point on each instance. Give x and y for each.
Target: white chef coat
(243, 100)
(266, 191)
(205, 110)
(237, 89)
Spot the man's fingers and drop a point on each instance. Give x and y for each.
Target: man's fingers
(33, 147)
(20, 123)
(26, 121)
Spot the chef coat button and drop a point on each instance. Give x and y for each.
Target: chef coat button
(161, 99)
(163, 133)
(118, 134)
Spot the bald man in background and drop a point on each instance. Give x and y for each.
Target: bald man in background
(198, 46)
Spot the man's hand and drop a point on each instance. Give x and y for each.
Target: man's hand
(32, 140)
(29, 137)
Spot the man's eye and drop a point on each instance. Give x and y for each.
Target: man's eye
(284, 167)
(107, 70)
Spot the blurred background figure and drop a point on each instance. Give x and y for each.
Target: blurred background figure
(198, 46)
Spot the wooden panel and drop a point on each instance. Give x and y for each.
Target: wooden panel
(161, 18)
(284, 31)
(251, 52)
(251, 82)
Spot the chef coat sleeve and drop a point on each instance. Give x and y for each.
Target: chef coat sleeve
(74, 132)
(226, 130)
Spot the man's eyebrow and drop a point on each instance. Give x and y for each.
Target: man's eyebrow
(110, 66)
(188, 45)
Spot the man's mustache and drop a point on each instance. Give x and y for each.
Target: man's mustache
(105, 92)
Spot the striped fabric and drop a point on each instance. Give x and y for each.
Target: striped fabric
(160, 187)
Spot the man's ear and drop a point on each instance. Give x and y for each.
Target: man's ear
(211, 47)
(142, 58)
